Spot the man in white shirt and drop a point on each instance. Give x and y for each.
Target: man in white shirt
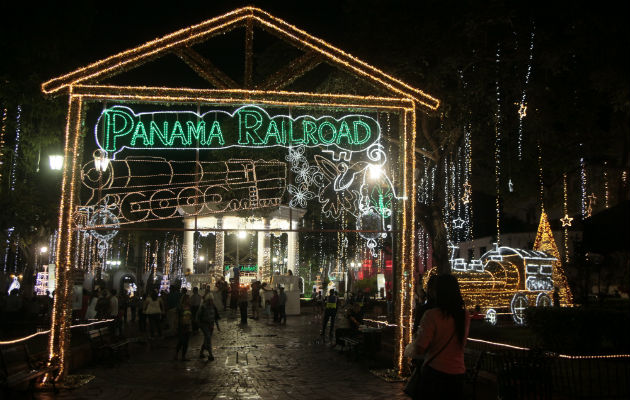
(113, 305)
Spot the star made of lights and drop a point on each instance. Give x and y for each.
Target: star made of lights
(566, 221)
(522, 111)
(458, 223)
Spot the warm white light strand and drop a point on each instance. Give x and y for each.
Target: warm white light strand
(497, 148)
(522, 111)
(16, 148)
(583, 186)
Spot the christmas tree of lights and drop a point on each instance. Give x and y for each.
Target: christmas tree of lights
(545, 242)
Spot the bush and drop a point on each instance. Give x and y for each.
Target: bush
(577, 330)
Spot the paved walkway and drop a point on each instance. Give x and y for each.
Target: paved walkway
(259, 361)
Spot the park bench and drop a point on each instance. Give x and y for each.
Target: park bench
(352, 343)
(19, 368)
(105, 344)
(367, 340)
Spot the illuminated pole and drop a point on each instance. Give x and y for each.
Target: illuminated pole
(59, 340)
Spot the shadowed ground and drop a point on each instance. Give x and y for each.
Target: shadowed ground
(259, 361)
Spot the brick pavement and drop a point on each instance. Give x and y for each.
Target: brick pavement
(259, 361)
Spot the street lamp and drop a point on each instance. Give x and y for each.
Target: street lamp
(56, 162)
(375, 171)
(39, 256)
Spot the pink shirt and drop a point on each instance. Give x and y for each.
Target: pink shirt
(434, 332)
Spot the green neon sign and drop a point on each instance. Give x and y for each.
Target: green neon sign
(119, 127)
(244, 268)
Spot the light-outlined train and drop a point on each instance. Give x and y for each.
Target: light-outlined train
(504, 280)
(137, 189)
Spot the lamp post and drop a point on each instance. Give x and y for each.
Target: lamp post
(40, 254)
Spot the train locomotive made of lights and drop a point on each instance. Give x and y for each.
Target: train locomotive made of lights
(505, 280)
(137, 189)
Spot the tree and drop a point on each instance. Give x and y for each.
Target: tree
(453, 56)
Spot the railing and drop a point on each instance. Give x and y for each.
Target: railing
(524, 373)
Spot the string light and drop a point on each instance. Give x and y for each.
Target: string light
(467, 186)
(522, 107)
(592, 201)
(3, 129)
(203, 31)
(541, 185)
(606, 192)
(573, 357)
(497, 148)
(16, 147)
(566, 220)
(583, 186)
(47, 332)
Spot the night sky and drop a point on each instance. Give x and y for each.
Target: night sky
(579, 55)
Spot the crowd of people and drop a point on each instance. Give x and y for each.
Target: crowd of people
(440, 321)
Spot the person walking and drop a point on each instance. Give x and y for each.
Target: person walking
(242, 304)
(255, 299)
(123, 305)
(142, 317)
(114, 313)
(133, 305)
(153, 309)
(441, 338)
(172, 302)
(207, 317)
(234, 296)
(267, 293)
(330, 312)
(274, 305)
(223, 288)
(184, 326)
(195, 303)
(102, 306)
(282, 306)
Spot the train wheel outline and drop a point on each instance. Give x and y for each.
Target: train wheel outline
(543, 300)
(518, 306)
